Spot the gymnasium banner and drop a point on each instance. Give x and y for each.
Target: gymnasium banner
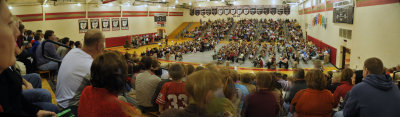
(226, 10)
(214, 10)
(208, 10)
(253, 10)
(239, 10)
(259, 10)
(266, 10)
(94, 24)
(191, 12)
(203, 11)
(220, 10)
(124, 24)
(83, 25)
(272, 10)
(246, 10)
(287, 10)
(105, 22)
(197, 11)
(280, 10)
(115, 24)
(233, 10)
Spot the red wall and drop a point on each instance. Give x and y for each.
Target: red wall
(323, 45)
(120, 41)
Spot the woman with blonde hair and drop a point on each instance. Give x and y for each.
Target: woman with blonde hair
(203, 88)
(315, 100)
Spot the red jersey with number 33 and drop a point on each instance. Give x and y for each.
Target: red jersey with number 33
(172, 95)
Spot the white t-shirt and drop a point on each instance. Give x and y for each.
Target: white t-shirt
(73, 72)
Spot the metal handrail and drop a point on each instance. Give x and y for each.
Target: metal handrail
(50, 58)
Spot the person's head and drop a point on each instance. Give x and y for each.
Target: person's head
(265, 80)
(315, 79)
(298, 73)
(373, 66)
(198, 68)
(228, 84)
(71, 44)
(94, 41)
(201, 85)
(176, 71)
(9, 33)
(78, 44)
(189, 69)
(317, 64)
(155, 65)
(246, 77)
(348, 75)
(109, 71)
(49, 35)
(146, 62)
(21, 28)
(65, 41)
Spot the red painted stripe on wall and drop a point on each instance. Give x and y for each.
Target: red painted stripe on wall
(28, 17)
(375, 2)
(60, 18)
(65, 13)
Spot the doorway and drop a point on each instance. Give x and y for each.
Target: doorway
(346, 57)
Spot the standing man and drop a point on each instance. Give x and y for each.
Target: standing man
(375, 96)
(74, 71)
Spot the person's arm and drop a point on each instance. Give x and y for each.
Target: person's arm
(336, 97)
(294, 101)
(52, 51)
(26, 85)
(351, 108)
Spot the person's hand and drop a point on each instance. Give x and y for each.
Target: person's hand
(44, 113)
(26, 84)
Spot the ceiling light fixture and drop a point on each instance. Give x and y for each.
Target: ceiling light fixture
(79, 4)
(46, 5)
(110, 4)
(190, 4)
(10, 7)
(176, 2)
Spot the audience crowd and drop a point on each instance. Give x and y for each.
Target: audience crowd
(92, 82)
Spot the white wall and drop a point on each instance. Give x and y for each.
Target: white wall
(69, 27)
(375, 33)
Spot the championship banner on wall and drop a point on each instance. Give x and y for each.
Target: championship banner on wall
(191, 12)
(266, 10)
(197, 11)
(83, 25)
(253, 10)
(287, 10)
(226, 10)
(203, 11)
(239, 10)
(208, 11)
(214, 10)
(124, 24)
(280, 10)
(220, 10)
(272, 10)
(94, 24)
(233, 10)
(105, 24)
(115, 24)
(246, 10)
(259, 10)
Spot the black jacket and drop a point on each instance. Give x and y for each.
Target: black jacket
(298, 85)
(11, 99)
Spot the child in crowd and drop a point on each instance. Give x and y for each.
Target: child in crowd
(172, 94)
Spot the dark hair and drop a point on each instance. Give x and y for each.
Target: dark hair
(109, 71)
(65, 40)
(265, 80)
(21, 27)
(39, 31)
(346, 75)
(198, 68)
(246, 77)
(146, 62)
(48, 33)
(176, 71)
(374, 65)
(77, 43)
(298, 73)
(315, 79)
(359, 76)
(71, 43)
(189, 68)
(28, 32)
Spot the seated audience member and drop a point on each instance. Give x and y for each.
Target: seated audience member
(245, 79)
(376, 90)
(172, 94)
(78, 44)
(11, 100)
(262, 103)
(335, 82)
(146, 84)
(346, 83)
(315, 100)
(74, 71)
(299, 84)
(201, 87)
(108, 75)
(62, 51)
(49, 50)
